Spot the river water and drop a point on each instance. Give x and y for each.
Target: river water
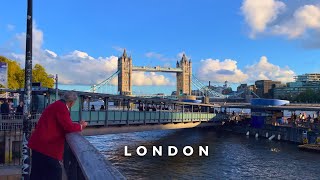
(231, 156)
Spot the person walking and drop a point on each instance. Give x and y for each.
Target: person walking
(47, 140)
(19, 109)
(92, 108)
(5, 109)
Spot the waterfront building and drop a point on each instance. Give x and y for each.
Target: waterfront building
(264, 88)
(301, 84)
(247, 89)
(313, 78)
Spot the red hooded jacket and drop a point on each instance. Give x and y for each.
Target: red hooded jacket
(49, 136)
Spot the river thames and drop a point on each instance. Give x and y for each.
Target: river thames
(231, 156)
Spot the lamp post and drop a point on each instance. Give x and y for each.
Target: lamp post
(27, 97)
(56, 81)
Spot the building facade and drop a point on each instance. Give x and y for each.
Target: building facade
(265, 88)
(302, 83)
(313, 78)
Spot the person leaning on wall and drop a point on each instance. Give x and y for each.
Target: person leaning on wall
(47, 140)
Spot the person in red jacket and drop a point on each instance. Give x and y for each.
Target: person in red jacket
(47, 140)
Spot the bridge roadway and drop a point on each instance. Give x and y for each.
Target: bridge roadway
(156, 69)
(115, 121)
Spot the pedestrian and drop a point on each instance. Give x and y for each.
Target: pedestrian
(92, 108)
(102, 108)
(19, 109)
(11, 109)
(5, 109)
(47, 140)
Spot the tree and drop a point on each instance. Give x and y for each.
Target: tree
(39, 74)
(16, 75)
(309, 96)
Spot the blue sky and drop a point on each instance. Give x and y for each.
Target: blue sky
(275, 42)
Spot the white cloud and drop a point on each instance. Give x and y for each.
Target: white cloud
(304, 18)
(78, 67)
(227, 70)
(51, 53)
(300, 20)
(10, 27)
(220, 71)
(37, 40)
(79, 54)
(142, 78)
(264, 70)
(259, 13)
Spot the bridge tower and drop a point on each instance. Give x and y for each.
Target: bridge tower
(125, 72)
(184, 77)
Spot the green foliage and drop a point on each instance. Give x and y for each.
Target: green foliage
(39, 74)
(309, 96)
(2, 86)
(16, 75)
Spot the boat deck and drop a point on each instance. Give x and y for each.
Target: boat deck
(310, 147)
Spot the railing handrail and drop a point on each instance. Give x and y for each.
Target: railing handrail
(92, 163)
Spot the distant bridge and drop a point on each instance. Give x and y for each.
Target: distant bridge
(185, 79)
(156, 69)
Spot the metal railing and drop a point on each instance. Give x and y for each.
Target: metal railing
(11, 126)
(83, 161)
(120, 117)
(14, 121)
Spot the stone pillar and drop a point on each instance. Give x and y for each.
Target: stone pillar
(125, 73)
(184, 78)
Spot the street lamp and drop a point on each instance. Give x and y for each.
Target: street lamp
(56, 81)
(27, 97)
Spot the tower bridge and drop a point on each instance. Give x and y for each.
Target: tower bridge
(125, 67)
(185, 79)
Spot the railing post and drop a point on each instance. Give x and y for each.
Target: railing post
(200, 119)
(124, 102)
(159, 114)
(128, 105)
(89, 109)
(106, 101)
(192, 113)
(144, 111)
(88, 104)
(80, 108)
(182, 112)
